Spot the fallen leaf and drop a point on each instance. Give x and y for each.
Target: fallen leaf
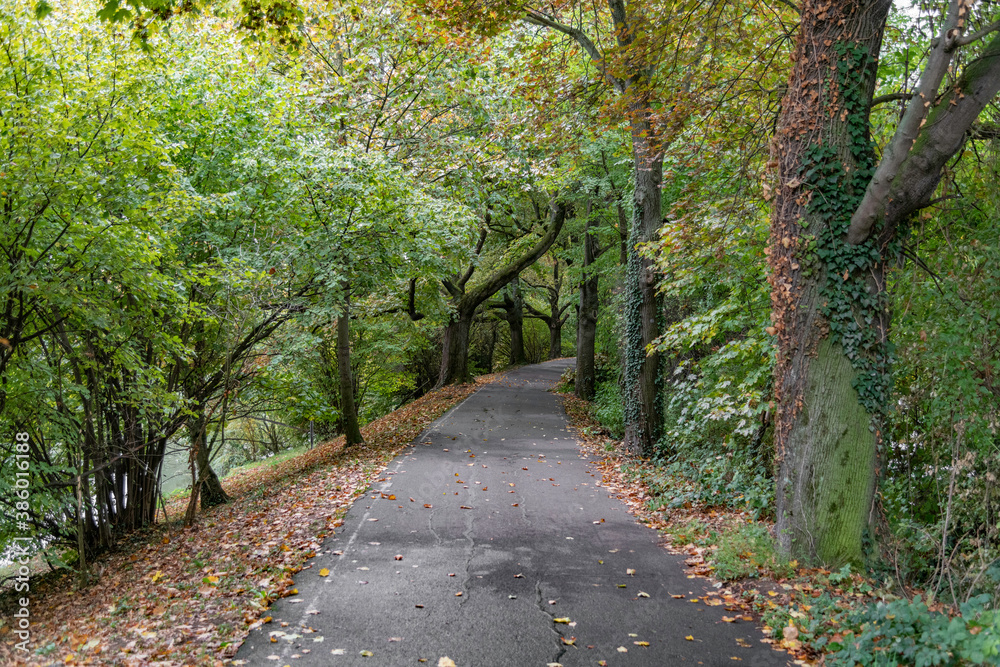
(366, 654)
(568, 642)
(630, 572)
(561, 620)
(641, 643)
(324, 572)
(446, 662)
(643, 594)
(689, 638)
(728, 619)
(622, 649)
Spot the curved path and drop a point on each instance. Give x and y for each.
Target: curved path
(484, 534)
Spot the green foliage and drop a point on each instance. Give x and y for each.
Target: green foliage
(748, 551)
(608, 407)
(715, 481)
(908, 632)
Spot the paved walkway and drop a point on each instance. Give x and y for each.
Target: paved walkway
(492, 543)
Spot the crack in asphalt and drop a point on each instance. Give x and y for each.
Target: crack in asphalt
(560, 647)
(471, 553)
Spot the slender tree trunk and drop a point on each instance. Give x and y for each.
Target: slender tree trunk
(348, 409)
(586, 335)
(211, 490)
(212, 493)
(643, 400)
(826, 432)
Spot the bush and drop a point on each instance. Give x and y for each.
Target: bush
(907, 632)
(609, 408)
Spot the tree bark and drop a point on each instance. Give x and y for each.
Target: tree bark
(825, 438)
(515, 321)
(834, 228)
(643, 400)
(208, 486)
(586, 335)
(348, 408)
(455, 349)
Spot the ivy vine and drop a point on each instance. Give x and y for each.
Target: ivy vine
(852, 310)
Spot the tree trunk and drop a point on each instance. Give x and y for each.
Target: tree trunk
(348, 409)
(455, 342)
(212, 493)
(455, 350)
(555, 337)
(826, 431)
(211, 490)
(586, 332)
(515, 320)
(643, 400)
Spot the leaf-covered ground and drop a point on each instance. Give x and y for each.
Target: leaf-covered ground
(187, 596)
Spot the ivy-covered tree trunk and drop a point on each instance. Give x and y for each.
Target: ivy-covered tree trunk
(586, 327)
(348, 408)
(643, 400)
(835, 223)
(828, 312)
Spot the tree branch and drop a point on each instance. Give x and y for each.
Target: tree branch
(536, 17)
(891, 97)
(927, 137)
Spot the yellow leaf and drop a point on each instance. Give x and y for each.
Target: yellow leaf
(324, 572)
(689, 638)
(158, 576)
(366, 654)
(641, 643)
(561, 620)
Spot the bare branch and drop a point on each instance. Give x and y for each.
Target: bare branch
(891, 97)
(536, 17)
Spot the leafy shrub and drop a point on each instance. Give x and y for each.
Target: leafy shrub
(609, 408)
(715, 481)
(907, 632)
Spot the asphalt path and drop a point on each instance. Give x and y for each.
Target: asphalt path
(492, 543)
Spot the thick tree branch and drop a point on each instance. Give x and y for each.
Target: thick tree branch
(557, 216)
(925, 140)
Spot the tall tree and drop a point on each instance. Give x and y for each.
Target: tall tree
(837, 222)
